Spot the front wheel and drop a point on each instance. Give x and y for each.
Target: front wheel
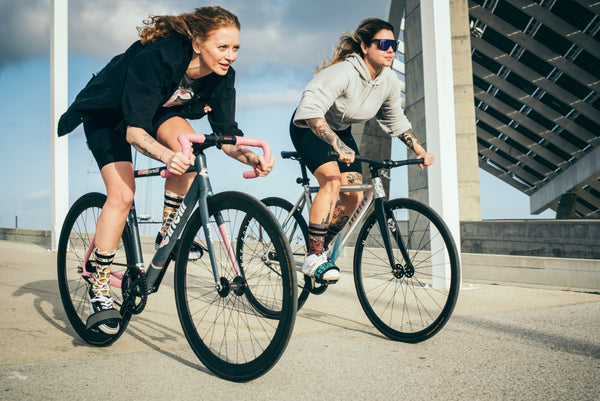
(75, 256)
(412, 299)
(238, 325)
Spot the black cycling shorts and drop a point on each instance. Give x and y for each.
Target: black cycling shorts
(107, 140)
(314, 150)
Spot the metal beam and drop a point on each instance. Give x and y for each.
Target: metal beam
(586, 168)
(558, 25)
(529, 43)
(541, 82)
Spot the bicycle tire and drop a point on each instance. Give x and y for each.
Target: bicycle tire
(297, 235)
(408, 305)
(76, 236)
(233, 337)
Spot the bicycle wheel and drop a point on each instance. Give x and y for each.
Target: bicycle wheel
(240, 330)
(75, 240)
(415, 299)
(296, 232)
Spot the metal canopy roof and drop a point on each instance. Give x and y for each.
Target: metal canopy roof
(536, 78)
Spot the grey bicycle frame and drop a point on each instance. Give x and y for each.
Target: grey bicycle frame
(199, 192)
(373, 191)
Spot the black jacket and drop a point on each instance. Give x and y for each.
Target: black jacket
(135, 85)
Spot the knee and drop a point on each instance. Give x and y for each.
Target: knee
(331, 184)
(121, 199)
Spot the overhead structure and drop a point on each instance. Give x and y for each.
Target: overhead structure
(536, 77)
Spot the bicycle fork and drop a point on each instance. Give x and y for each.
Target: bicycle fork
(203, 195)
(387, 225)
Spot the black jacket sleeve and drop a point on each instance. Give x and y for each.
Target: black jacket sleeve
(152, 75)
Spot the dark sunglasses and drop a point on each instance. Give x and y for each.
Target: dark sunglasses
(385, 44)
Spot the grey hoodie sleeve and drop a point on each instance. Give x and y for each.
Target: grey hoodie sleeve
(391, 115)
(320, 94)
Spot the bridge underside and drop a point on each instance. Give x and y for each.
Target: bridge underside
(536, 81)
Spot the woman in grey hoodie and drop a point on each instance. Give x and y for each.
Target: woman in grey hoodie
(356, 85)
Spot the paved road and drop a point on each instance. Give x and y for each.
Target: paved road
(502, 343)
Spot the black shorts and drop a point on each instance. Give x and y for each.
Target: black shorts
(314, 150)
(107, 140)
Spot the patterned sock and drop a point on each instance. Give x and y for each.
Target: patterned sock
(172, 203)
(316, 235)
(333, 230)
(101, 285)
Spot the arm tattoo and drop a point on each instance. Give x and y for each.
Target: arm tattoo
(409, 139)
(235, 150)
(322, 130)
(342, 146)
(143, 150)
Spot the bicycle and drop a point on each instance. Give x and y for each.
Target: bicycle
(237, 313)
(406, 265)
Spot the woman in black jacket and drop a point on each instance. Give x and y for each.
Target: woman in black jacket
(179, 69)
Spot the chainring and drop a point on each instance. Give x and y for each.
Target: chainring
(134, 290)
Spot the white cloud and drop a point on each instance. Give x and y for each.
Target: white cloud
(265, 100)
(283, 32)
(38, 195)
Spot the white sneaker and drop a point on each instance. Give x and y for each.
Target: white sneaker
(104, 316)
(319, 267)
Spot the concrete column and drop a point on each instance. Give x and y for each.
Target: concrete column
(415, 104)
(438, 91)
(464, 109)
(59, 147)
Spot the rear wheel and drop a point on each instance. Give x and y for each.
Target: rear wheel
(74, 246)
(296, 231)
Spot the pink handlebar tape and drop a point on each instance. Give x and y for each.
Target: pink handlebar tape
(186, 141)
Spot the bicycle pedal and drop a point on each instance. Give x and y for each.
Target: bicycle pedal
(313, 286)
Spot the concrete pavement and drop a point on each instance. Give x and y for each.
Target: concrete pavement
(502, 343)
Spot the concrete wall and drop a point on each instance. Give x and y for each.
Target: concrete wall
(38, 237)
(537, 237)
(577, 239)
(557, 273)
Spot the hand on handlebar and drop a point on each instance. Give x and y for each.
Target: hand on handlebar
(428, 159)
(178, 164)
(262, 167)
(346, 154)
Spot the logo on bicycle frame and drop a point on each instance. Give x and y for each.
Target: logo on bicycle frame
(174, 224)
(360, 206)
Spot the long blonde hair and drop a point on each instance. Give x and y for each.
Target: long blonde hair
(350, 42)
(197, 25)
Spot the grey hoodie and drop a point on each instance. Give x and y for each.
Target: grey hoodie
(344, 94)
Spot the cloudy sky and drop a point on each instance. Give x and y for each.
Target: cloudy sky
(282, 42)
